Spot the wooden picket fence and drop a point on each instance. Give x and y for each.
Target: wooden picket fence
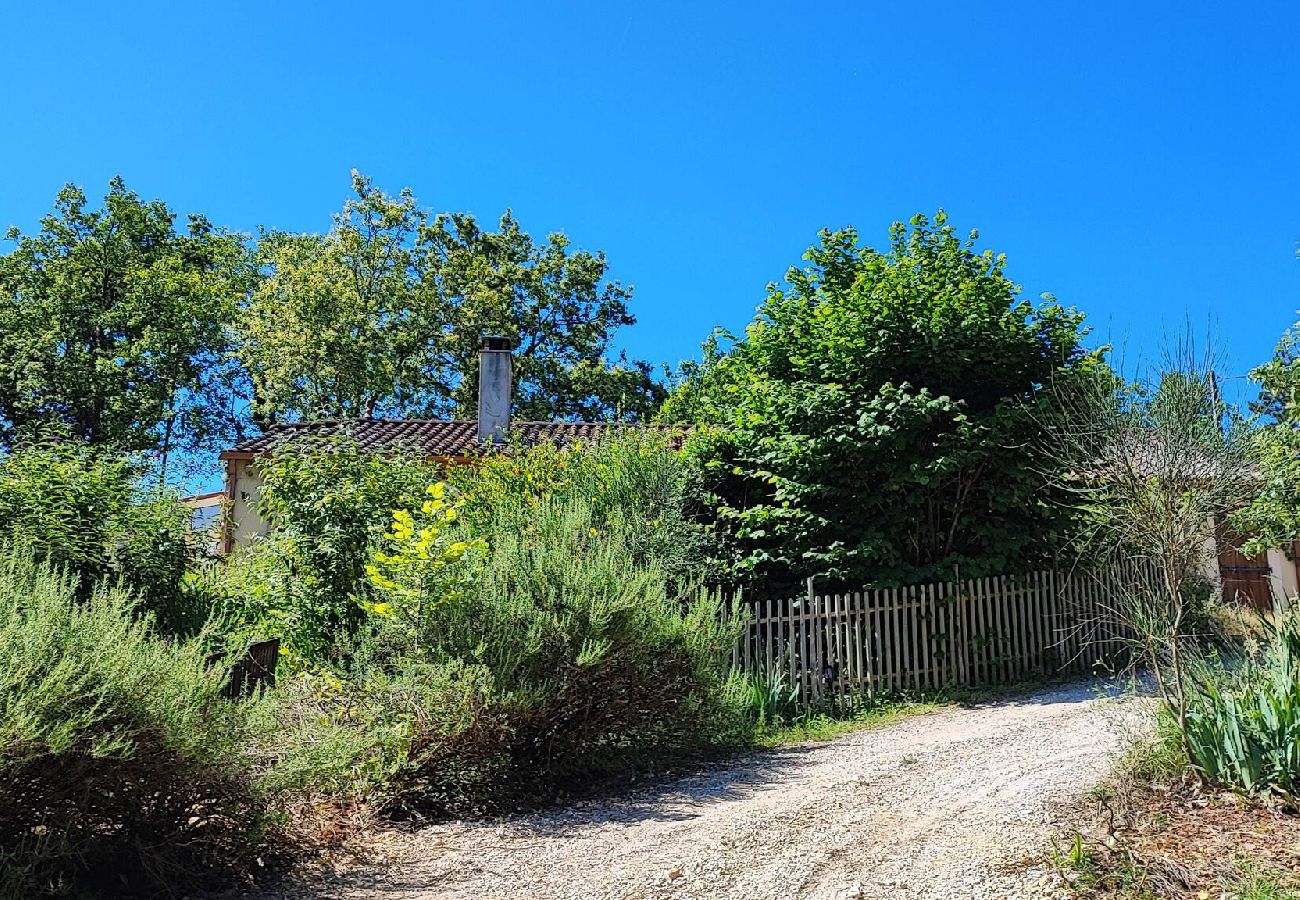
(926, 637)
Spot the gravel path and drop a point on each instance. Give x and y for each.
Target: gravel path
(943, 805)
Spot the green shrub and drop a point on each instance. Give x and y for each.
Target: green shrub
(531, 628)
(122, 767)
(394, 735)
(86, 510)
(637, 477)
(587, 662)
(328, 503)
(527, 628)
(1243, 721)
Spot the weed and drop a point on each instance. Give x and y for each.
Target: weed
(1074, 857)
(1254, 883)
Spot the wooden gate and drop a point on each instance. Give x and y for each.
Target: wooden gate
(1247, 580)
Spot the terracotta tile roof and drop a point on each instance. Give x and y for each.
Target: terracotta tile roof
(433, 437)
(1148, 456)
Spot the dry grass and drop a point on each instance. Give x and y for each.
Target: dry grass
(1153, 840)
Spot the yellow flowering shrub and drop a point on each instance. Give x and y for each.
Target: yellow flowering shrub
(424, 561)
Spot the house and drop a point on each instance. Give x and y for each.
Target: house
(447, 440)
(206, 525)
(1264, 581)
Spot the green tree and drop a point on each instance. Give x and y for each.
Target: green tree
(1273, 517)
(385, 315)
(85, 511)
(328, 504)
(114, 325)
(877, 422)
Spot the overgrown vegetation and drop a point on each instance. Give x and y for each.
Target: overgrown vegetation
(1243, 718)
(550, 581)
(879, 421)
(1152, 467)
(123, 769)
(543, 621)
(527, 630)
(90, 513)
(1154, 832)
(1200, 805)
(327, 504)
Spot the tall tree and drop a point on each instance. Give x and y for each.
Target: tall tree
(877, 420)
(385, 314)
(114, 325)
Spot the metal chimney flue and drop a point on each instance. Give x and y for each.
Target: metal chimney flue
(495, 390)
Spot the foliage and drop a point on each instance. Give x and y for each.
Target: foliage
(85, 510)
(121, 766)
(878, 420)
(1243, 723)
(527, 637)
(637, 477)
(1273, 517)
(767, 697)
(419, 568)
(1151, 467)
(114, 325)
(386, 312)
(597, 665)
(326, 503)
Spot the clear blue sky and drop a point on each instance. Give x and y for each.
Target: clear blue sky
(1137, 159)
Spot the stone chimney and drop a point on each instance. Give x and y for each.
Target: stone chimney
(495, 390)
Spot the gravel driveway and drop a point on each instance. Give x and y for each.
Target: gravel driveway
(947, 804)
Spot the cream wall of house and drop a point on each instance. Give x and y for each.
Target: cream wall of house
(1283, 579)
(1285, 583)
(246, 524)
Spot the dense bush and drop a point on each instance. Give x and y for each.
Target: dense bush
(328, 504)
(87, 511)
(531, 634)
(122, 767)
(877, 421)
(525, 629)
(637, 477)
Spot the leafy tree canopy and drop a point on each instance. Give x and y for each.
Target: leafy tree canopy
(878, 419)
(1273, 517)
(114, 325)
(385, 314)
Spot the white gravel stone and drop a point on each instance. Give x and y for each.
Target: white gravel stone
(847, 818)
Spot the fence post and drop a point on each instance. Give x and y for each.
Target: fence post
(958, 627)
(812, 643)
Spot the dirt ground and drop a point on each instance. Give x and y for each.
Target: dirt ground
(1177, 840)
(945, 805)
